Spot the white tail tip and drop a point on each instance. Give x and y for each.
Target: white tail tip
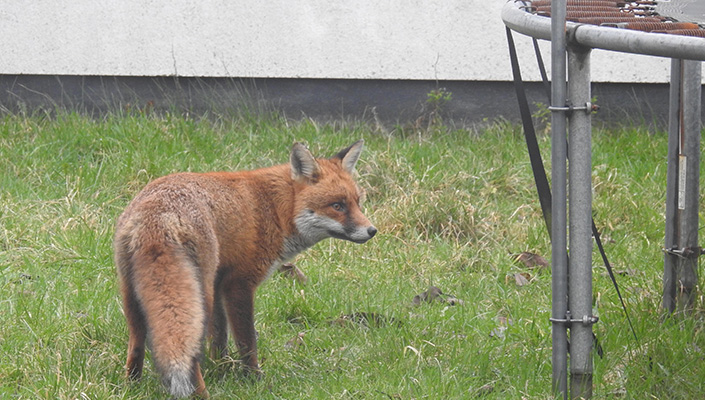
(179, 383)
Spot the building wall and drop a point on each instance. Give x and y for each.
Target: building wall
(352, 39)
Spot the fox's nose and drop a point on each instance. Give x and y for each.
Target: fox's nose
(371, 231)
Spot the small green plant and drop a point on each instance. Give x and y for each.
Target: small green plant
(431, 118)
(436, 98)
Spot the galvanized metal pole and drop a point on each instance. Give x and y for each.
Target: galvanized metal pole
(671, 233)
(688, 185)
(559, 256)
(683, 175)
(580, 217)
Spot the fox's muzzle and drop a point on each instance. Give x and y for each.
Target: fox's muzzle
(360, 235)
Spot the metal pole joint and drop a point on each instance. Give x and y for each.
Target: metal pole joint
(588, 108)
(686, 252)
(586, 320)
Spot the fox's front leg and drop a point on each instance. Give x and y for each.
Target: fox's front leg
(239, 300)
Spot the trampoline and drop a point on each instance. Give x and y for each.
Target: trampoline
(673, 29)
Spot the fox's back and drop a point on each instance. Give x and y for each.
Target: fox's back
(239, 215)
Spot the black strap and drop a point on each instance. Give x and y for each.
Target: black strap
(542, 70)
(596, 234)
(540, 178)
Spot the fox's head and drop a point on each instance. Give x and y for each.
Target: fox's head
(327, 202)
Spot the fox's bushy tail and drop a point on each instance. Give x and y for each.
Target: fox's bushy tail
(168, 285)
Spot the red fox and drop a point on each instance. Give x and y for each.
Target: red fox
(191, 249)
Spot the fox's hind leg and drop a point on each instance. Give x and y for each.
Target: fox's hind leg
(239, 301)
(218, 326)
(137, 328)
(134, 314)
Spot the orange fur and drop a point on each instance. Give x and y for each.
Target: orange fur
(192, 248)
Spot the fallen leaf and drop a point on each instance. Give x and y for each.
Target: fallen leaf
(531, 260)
(435, 294)
(292, 271)
(428, 296)
(522, 278)
(296, 341)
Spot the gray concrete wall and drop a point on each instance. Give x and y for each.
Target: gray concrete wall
(323, 39)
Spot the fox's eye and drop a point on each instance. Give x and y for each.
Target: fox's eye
(338, 206)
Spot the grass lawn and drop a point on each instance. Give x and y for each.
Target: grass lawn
(453, 207)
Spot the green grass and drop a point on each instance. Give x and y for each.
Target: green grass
(452, 207)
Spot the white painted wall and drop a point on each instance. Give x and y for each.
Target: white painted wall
(358, 39)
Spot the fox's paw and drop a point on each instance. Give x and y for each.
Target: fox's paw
(253, 373)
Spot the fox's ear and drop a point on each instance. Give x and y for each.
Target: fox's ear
(303, 164)
(350, 155)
